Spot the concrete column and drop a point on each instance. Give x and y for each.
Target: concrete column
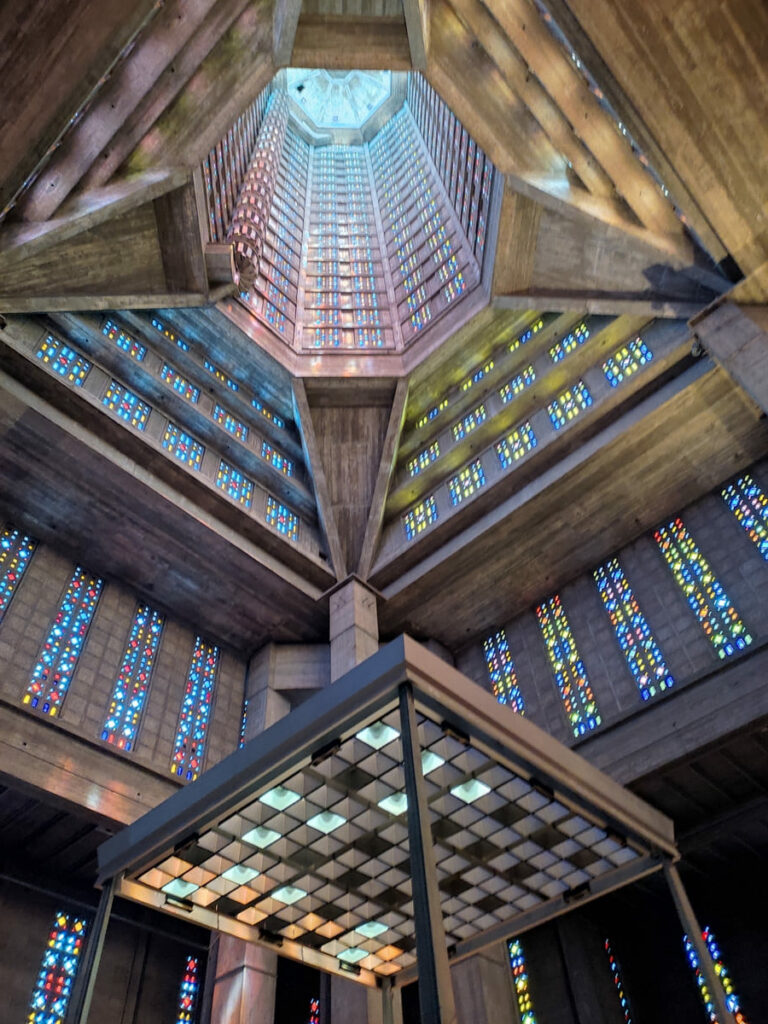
(245, 983)
(737, 338)
(354, 627)
(483, 988)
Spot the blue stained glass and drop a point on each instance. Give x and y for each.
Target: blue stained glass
(420, 517)
(569, 404)
(58, 970)
(195, 713)
(189, 992)
(63, 360)
(466, 482)
(281, 517)
(122, 723)
(276, 458)
(182, 446)
(469, 423)
(515, 445)
(267, 413)
(517, 385)
(179, 384)
(124, 341)
(732, 1001)
(569, 343)
(501, 669)
(170, 334)
(520, 979)
(16, 549)
(626, 361)
(243, 723)
(567, 667)
(230, 423)
(63, 646)
(619, 984)
(235, 484)
(126, 405)
(749, 504)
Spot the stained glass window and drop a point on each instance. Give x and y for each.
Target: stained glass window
(626, 360)
(122, 723)
(423, 459)
(124, 340)
(16, 549)
(518, 384)
(230, 423)
(569, 343)
(466, 482)
(569, 404)
(314, 1011)
(58, 970)
(515, 445)
(526, 336)
(420, 517)
(430, 414)
(731, 999)
(220, 375)
(184, 447)
(468, 423)
(189, 991)
(709, 602)
(192, 730)
(243, 723)
(477, 376)
(63, 360)
(276, 458)
(501, 670)
(63, 646)
(235, 484)
(179, 384)
(619, 984)
(281, 517)
(642, 653)
(567, 667)
(128, 406)
(520, 977)
(748, 502)
(267, 413)
(170, 334)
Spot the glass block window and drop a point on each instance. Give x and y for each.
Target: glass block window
(220, 375)
(281, 517)
(618, 983)
(731, 999)
(626, 361)
(569, 343)
(501, 670)
(57, 661)
(423, 459)
(170, 334)
(230, 423)
(130, 693)
(58, 970)
(515, 445)
(234, 484)
(126, 405)
(567, 667)
(243, 723)
(189, 991)
(267, 413)
(643, 656)
(748, 502)
(420, 517)
(477, 376)
(195, 713)
(182, 446)
(569, 404)
(431, 414)
(517, 385)
(179, 384)
(314, 1011)
(63, 360)
(124, 341)
(709, 602)
(276, 458)
(520, 978)
(468, 423)
(526, 336)
(16, 550)
(466, 482)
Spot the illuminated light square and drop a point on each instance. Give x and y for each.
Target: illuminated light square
(203, 897)
(396, 803)
(292, 931)
(240, 874)
(251, 916)
(155, 878)
(288, 894)
(178, 887)
(388, 968)
(243, 894)
(199, 876)
(261, 837)
(330, 930)
(175, 866)
(430, 761)
(377, 735)
(371, 929)
(326, 822)
(279, 798)
(353, 956)
(470, 791)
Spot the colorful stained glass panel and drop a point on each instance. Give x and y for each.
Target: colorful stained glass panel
(466, 482)
(126, 405)
(520, 980)
(58, 970)
(626, 361)
(234, 484)
(16, 550)
(129, 695)
(748, 502)
(567, 667)
(63, 360)
(189, 992)
(501, 669)
(515, 445)
(731, 999)
(195, 713)
(420, 517)
(185, 448)
(281, 517)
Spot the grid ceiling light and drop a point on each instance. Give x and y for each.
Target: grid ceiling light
(312, 850)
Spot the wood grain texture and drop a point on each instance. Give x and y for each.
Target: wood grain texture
(337, 42)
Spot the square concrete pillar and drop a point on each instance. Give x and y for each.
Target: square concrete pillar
(354, 626)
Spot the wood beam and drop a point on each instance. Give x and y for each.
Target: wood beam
(181, 242)
(346, 41)
(417, 25)
(285, 20)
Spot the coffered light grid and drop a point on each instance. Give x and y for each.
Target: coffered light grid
(315, 856)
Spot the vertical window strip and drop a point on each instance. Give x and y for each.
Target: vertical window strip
(703, 591)
(618, 983)
(57, 661)
(420, 517)
(626, 361)
(58, 970)
(243, 723)
(517, 384)
(731, 999)
(126, 405)
(520, 978)
(183, 447)
(749, 504)
(189, 992)
(515, 445)
(179, 384)
(16, 550)
(282, 519)
(643, 656)
(63, 360)
(567, 667)
(466, 482)
(569, 404)
(314, 1011)
(129, 695)
(195, 713)
(124, 341)
(235, 484)
(501, 669)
